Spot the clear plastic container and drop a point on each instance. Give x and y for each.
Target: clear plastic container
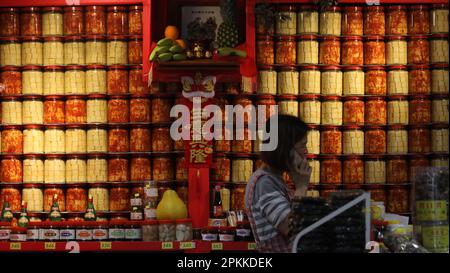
(166, 230)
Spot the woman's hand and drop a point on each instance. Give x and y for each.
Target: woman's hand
(299, 171)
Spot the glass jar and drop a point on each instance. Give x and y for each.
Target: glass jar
(288, 81)
(310, 109)
(166, 230)
(32, 110)
(12, 140)
(163, 169)
(330, 21)
(241, 169)
(140, 168)
(100, 196)
(10, 20)
(117, 20)
(183, 229)
(136, 85)
(75, 169)
(54, 169)
(418, 50)
(73, 20)
(96, 79)
(97, 168)
(49, 192)
(11, 111)
(331, 78)
(12, 194)
(419, 80)
(439, 18)
(97, 109)
(32, 80)
(353, 80)
(32, 50)
(118, 169)
(374, 20)
(396, 170)
(135, 50)
(75, 139)
(313, 137)
(375, 140)
(265, 50)
(11, 168)
(375, 111)
(439, 79)
(33, 139)
(135, 20)
(30, 21)
(74, 51)
(182, 171)
(286, 50)
(162, 142)
(222, 145)
(116, 50)
(332, 109)
(118, 140)
(375, 170)
(418, 20)
(10, 52)
(34, 196)
(288, 105)
(396, 50)
(375, 81)
(140, 110)
(440, 110)
(140, 139)
(396, 20)
(352, 21)
(75, 109)
(439, 139)
(52, 21)
(222, 170)
(33, 169)
(374, 50)
(397, 140)
(439, 161)
(267, 80)
(54, 140)
(331, 140)
(53, 80)
(286, 20)
(397, 80)
(75, 80)
(353, 140)
(161, 110)
(308, 49)
(353, 170)
(439, 48)
(314, 163)
(416, 162)
(419, 139)
(53, 51)
(95, 19)
(377, 193)
(150, 231)
(11, 78)
(419, 110)
(330, 170)
(119, 198)
(95, 50)
(330, 51)
(76, 198)
(118, 109)
(397, 199)
(238, 197)
(117, 79)
(352, 51)
(310, 80)
(353, 111)
(307, 19)
(244, 145)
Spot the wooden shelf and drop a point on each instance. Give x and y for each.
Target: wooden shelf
(201, 63)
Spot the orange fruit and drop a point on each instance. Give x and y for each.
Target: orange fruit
(171, 32)
(181, 43)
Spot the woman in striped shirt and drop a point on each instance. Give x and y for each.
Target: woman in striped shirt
(268, 199)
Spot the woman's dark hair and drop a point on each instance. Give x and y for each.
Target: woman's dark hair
(291, 130)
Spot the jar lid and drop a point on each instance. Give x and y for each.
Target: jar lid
(352, 127)
(9, 9)
(54, 156)
(375, 68)
(33, 156)
(31, 39)
(73, 8)
(287, 97)
(417, 37)
(375, 98)
(331, 67)
(266, 97)
(50, 127)
(76, 185)
(439, 66)
(264, 38)
(375, 186)
(166, 222)
(74, 67)
(308, 7)
(396, 157)
(330, 98)
(53, 68)
(54, 185)
(180, 221)
(286, 38)
(330, 127)
(31, 67)
(353, 157)
(376, 157)
(286, 8)
(419, 66)
(374, 38)
(329, 157)
(10, 68)
(97, 96)
(396, 127)
(349, 98)
(32, 97)
(331, 38)
(72, 38)
(440, 97)
(149, 222)
(332, 8)
(96, 8)
(136, 7)
(439, 126)
(15, 157)
(95, 38)
(135, 37)
(330, 187)
(41, 127)
(308, 37)
(309, 97)
(10, 39)
(353, 186)
(396, 7)
(374, 127)
(397, 67)
(352, 68)
(53, 39)
(136, 67)
(54, 9)
(75, 97)
(113, 67)
(96, 66)
(313, 127)
(30, 9)
(32, 185)
(98, 185)
(440, 6)
(12, 98)
(397, 97)
(349, 38)
(374, 8)
(418, 7)
(393, 38)
(116, 37)
(440, 156)
(241, 155)
(117, 8)
(96, 155)
(309, 67)
(312, 156)
(353, 8)
(266, 67)
(75, 156)
(285, 68)
(418, 97)
(12, 127)
(118, 156)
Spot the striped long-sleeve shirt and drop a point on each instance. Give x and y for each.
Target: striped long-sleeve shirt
(267, 203)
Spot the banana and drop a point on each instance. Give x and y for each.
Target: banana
(228, 51)
(153, 56)
(162, 49)
(179, 57)
(176, 49)
(165, 57)
(166, 42)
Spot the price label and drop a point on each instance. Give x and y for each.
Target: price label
(217, 246)
(49, 246)
(167, 245)
(15, 246)
(187, 245)
(105, 245)
(251, 246)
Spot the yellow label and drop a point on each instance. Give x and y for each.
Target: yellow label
(217, 246)
(167, 245)
(435, 238)
(251, 246)
(105, 245)
(49, 246)
(15, 246)
(431, 210)
(187, 245)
